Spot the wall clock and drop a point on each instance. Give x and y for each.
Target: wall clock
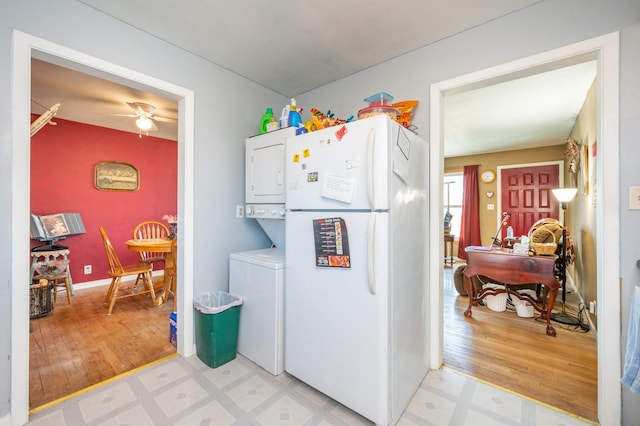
(488, 176)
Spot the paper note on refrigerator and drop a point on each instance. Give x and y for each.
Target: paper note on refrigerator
(401, 153)
(338, 188)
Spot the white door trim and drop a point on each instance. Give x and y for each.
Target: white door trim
(606, 49)
(23, 47)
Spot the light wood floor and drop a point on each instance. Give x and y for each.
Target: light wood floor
(516, 354)
(78, 345)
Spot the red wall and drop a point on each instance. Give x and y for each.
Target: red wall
(63, 160)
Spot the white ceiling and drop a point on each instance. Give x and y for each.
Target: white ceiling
(533, 111)
(87, 99)
(291, 47)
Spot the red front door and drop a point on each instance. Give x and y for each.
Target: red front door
(526, 195)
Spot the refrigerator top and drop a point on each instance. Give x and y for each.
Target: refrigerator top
(356, 166)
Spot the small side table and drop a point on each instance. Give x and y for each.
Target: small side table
(448, 250)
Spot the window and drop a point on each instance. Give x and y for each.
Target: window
(453, 190)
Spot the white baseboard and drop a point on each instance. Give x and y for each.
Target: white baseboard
(98, 283)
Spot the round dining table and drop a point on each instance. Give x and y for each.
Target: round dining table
(157, 245)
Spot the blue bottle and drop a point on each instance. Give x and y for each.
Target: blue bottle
(295, 120)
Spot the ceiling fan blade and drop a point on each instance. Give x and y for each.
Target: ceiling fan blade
(116, 115)
(164, 119)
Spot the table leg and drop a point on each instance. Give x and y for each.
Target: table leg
(470, 294)
(169, 272)
(552, 301)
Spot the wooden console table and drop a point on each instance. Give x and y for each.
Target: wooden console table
(513, 270)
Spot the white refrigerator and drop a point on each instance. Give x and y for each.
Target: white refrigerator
(356, 283)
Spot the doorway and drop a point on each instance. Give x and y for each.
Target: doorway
(609, 394)
(24, 48)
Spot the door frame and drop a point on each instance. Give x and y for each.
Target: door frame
(606, 50)
(24, 46)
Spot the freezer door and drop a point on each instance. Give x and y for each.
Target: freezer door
(336, 319)
(342, 167)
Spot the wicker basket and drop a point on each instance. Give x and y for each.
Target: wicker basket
(41, 301)
(543, 248)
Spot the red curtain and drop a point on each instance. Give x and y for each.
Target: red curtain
(470, 221)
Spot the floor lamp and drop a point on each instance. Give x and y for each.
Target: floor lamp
(564, 195)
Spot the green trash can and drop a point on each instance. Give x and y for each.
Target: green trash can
(217, 318)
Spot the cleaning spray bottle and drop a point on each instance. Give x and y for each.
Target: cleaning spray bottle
(267, 117)
(295, 120)
(284, 117)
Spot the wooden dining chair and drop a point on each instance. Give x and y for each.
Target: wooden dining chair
(117, 271)
(147, 230)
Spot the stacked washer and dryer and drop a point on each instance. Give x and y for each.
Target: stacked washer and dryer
(258, 275)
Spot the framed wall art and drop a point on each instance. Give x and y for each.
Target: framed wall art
(116, 176)
(584, 168)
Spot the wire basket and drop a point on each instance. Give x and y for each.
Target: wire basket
(40, 299)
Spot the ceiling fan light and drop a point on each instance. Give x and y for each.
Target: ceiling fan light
(144, 123)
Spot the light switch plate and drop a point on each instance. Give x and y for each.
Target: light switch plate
(634, 198)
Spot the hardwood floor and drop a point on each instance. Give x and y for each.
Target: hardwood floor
(78, 345)
(515, 353)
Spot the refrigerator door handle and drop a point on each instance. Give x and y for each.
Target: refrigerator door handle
(370, 260)
(370, 193)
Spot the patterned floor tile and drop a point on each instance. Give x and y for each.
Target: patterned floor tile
(185, 391)
(180, 397)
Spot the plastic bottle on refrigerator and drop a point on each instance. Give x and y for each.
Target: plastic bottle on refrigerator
(284, 117)
(267, 117)
(295, 120)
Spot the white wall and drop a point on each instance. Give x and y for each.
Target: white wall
(541, 27)
(227, 110)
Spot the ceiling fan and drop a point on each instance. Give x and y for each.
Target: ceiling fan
(145, 118)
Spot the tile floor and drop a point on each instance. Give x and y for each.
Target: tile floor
(185, 391)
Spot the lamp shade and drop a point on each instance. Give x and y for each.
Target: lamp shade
(564, 194)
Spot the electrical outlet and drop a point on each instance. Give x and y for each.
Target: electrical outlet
(239, 211)
(592, 307)
(634, 198)
(87, 269)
